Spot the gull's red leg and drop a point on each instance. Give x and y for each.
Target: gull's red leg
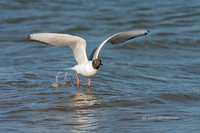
(88, 82)
(88, 90)
(77, 80)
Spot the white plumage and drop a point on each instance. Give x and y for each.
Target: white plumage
(84, 67)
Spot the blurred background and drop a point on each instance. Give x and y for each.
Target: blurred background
(148, 84)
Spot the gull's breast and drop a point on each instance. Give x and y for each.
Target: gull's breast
(86, 69)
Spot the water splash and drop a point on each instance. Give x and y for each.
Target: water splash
(62, 78)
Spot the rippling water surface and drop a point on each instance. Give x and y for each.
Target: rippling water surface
(149, 84)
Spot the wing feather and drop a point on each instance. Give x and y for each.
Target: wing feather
(77, 44)
(118, 38)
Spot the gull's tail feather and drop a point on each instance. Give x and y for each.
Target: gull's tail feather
(70, 68)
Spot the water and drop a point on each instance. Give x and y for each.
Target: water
(149, 84)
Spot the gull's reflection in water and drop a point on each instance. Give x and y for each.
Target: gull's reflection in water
(83, 100)
(84, 116)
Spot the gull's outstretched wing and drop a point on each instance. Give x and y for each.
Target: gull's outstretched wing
(77, 44)
(118, 38)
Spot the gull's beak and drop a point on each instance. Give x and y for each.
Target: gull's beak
(101, 64)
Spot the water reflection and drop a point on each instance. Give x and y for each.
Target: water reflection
(85, 115)
(83, 100)
(85, 120)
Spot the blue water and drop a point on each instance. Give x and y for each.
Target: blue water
(148, 84)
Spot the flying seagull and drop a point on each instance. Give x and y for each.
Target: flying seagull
(86, 66)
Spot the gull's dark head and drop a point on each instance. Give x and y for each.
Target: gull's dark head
(96, 63)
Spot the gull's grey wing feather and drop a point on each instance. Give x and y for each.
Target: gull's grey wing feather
(117, 38)
(77, 44)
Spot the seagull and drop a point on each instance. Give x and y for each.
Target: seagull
(86, 66)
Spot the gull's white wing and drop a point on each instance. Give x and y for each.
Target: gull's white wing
(118, 38)
(77, 44)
